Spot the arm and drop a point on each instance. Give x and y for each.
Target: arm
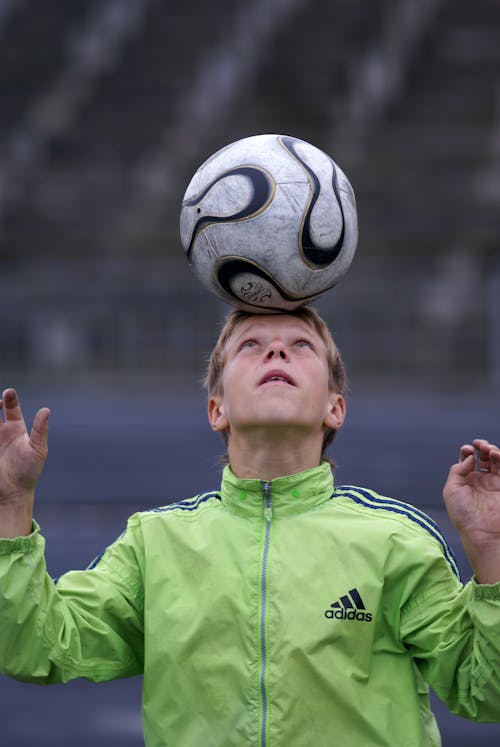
(22, 457)
(450, 630)
(472, 498)
(89, 624)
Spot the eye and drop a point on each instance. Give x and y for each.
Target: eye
(249, 344)
(303, 343)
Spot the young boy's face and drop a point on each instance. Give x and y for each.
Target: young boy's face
(276, 374)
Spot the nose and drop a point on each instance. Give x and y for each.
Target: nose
(276, 350)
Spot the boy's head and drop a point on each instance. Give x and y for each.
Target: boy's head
(337, 381)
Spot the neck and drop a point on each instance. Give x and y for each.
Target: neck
(271, 458)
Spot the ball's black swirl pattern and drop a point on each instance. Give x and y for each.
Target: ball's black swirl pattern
(262, 191)
(313, 254)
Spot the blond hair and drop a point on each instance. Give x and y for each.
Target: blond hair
(337, 375)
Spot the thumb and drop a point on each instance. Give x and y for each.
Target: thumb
(457, 474)
(40, 431)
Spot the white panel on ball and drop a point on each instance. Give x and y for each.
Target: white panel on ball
(269, 222)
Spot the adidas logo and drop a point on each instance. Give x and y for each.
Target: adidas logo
(349, 607)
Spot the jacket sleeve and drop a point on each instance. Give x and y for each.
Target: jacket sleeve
(453, 633)
(89, 624)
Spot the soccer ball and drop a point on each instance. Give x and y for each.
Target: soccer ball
(269, 222)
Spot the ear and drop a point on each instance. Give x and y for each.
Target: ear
(336, 411)
(216, 414)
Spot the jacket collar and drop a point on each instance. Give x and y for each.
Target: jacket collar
(292, 494)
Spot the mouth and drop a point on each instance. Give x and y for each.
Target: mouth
(277, 376)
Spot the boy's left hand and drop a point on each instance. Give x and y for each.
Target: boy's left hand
(472, 498)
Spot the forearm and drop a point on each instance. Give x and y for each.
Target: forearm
(24, 598)
(85, 626)
(453, 637)
(16, 516)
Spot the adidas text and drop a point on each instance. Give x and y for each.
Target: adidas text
(343, 614)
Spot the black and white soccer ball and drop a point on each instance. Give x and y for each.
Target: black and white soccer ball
(269, 222)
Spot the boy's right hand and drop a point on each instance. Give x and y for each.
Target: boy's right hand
(22, 457)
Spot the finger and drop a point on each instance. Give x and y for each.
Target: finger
(465, 451)
(11, 405)
(466, 465)
(484, 451)
(483, 446)
(40, 430)
(495, 461)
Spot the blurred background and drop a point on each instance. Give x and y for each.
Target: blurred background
(107, 107)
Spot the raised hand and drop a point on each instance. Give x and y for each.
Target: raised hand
(472, 498)
(22, 457)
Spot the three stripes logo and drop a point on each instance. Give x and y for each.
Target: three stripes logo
(350, 606)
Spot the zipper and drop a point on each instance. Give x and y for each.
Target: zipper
(268, 512)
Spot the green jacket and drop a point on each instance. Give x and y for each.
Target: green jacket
(274, 614)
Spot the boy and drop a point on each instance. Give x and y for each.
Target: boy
(279, 610)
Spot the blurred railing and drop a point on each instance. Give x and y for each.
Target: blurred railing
(89, 53)
(151, 319)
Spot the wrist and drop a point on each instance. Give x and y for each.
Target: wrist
(16, 516)
(485, 560)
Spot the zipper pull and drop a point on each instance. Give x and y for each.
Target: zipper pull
(268, 504)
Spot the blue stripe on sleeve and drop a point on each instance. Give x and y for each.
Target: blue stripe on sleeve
(188, 505)
(374, 501)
